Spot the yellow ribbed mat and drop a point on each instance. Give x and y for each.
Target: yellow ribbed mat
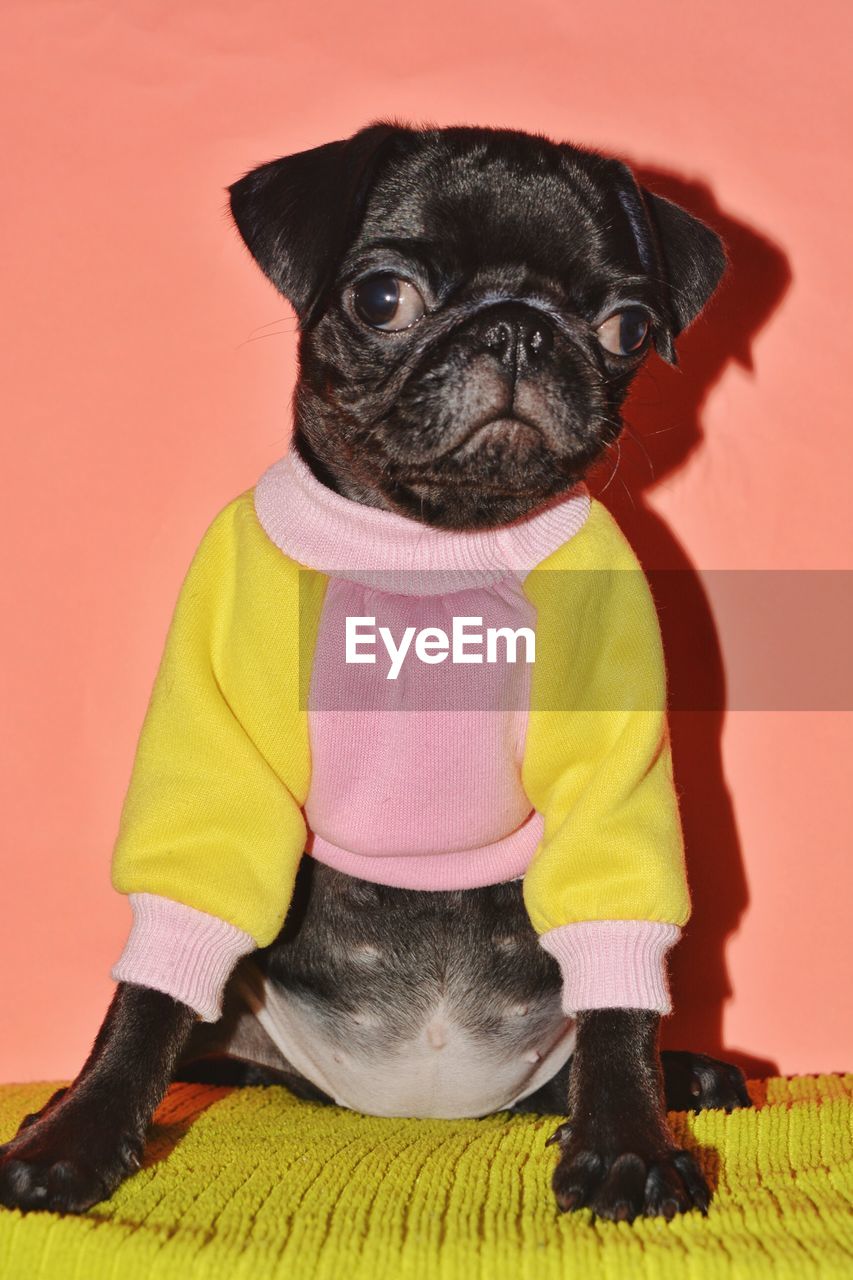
(252, 1183)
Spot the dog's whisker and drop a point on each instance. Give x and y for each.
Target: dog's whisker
(270, 323)
(632, 435)
(281, 333)
(615, 444)
(628, 494)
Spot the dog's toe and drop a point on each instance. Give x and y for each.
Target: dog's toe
(661, 1188)
(628, 1185)
(63, 1185)
(622, 1195)
(66, 1161)
(575, 1179)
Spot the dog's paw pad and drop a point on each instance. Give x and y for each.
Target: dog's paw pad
(67, 1162)
(575, 1180)
(718, 1086)
(697, 1082)
(628, 1185)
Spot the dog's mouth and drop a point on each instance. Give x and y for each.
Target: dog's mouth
(498, 472)
(505, 455)
(501, 444)
(513, 434)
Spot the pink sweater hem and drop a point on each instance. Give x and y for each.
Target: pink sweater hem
(506, 859)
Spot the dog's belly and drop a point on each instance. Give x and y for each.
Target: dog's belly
(401, 1002)
(443, 1070)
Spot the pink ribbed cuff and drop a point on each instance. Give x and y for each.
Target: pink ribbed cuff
(613, 964)
(185, 953)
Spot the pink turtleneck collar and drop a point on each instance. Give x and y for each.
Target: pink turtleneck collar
(322, 530)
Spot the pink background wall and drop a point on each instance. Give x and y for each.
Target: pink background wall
(147, 369)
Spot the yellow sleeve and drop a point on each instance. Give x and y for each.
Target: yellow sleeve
(212, 818)
(607, 888)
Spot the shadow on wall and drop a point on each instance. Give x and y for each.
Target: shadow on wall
(663, 421)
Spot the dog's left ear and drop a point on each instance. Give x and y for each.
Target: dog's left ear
(681, 251)
(297, 214)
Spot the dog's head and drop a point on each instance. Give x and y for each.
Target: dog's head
(473, 305)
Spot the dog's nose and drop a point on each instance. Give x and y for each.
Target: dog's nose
(518, 338)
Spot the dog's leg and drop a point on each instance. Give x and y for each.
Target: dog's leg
(80, 1146)
(617, 1155)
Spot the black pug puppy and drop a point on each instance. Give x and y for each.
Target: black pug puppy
(473, 305)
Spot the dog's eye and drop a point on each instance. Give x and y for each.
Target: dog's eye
(385, 301)
(625, 333)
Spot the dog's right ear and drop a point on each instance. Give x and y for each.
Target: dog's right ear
(297, 214)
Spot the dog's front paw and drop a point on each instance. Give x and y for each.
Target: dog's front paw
(623, 1185)
(66, 1158)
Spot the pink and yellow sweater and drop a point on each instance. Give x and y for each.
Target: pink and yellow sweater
(428, 765)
